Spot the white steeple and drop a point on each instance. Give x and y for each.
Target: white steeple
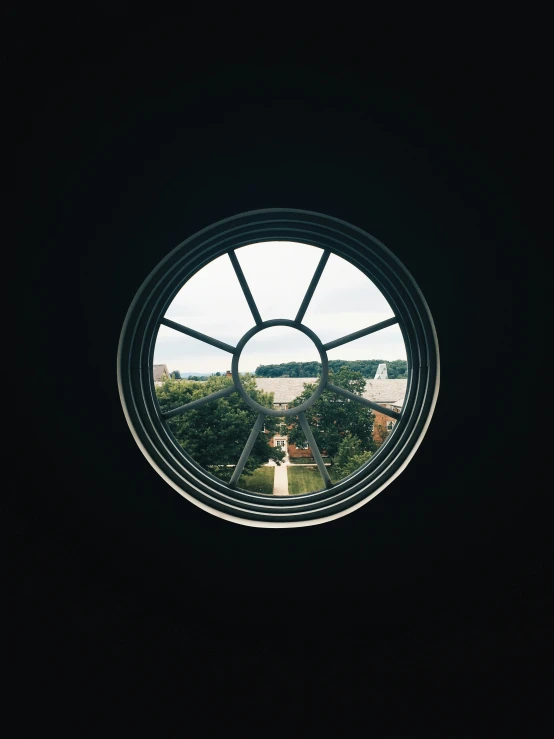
(381, 373)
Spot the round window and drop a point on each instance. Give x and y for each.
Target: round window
(169, 416)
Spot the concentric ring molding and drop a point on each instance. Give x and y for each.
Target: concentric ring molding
(136, 383)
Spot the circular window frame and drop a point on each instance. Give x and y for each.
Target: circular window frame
(146, 314)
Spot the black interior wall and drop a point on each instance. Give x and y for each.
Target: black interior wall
(128, 148)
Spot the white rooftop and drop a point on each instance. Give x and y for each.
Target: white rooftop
(285, 389)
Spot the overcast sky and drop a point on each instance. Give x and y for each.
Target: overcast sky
(278, 274)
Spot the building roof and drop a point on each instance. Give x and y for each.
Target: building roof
(285, 389)
(385, 391)
(159, 371)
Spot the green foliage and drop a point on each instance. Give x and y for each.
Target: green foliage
(350, 456)
(292, 369)
(332, 416)
(305, 460)
(216, 432)
(382, 433)
(175, 375)
(397, 369)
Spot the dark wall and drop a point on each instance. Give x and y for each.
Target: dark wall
(128, 147)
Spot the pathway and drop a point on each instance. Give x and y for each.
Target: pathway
(281, 479)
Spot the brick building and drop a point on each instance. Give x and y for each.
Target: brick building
(388, 393)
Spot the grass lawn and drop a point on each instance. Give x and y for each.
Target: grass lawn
(304, 480)
(307, 479)
(333, 475)
(260, 481)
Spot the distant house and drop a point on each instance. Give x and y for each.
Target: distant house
(160, 372)
(388, 393)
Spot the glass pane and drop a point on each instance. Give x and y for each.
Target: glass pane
(278, 274)
(384, 346)
(188, 356)
(344, 301)
(208, 300)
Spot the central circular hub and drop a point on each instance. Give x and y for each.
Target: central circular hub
(280, 348)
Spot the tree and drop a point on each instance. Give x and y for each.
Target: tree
(175, 375)
(382, 433)
(396, 369)
(350, 456)
(332, 416)
(215, 433)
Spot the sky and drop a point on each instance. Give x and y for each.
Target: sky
(278, 274)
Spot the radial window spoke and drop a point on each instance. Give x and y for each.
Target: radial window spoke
(363, 401)
(258, 426)
(312, 286)
(201, 401)
(359, 334)
(315, 449)
(198, 335)
(245, 289)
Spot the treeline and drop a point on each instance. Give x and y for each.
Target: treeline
(396, 370)
(176, 375)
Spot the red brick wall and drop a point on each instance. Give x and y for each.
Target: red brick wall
(380, 420)
(297, 453)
